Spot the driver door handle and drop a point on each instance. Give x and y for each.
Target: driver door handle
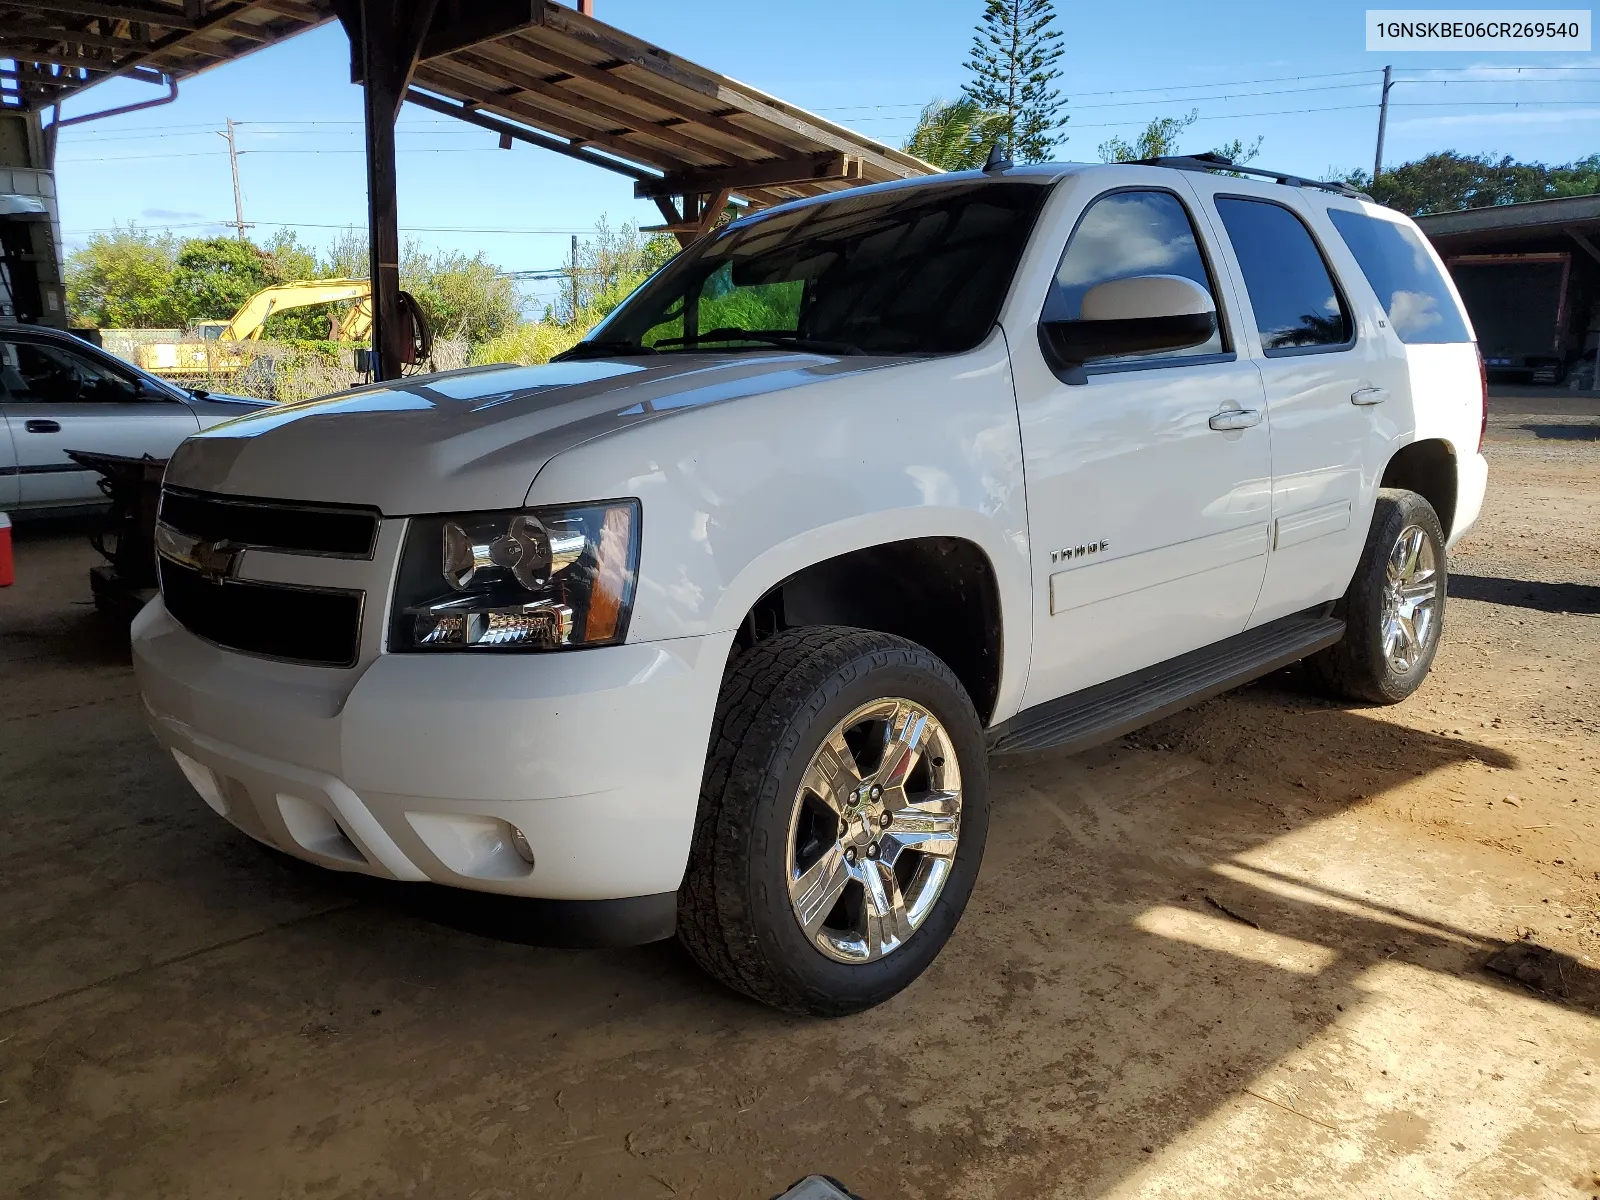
(1236, 418)
(39, 426)
(1369, 396)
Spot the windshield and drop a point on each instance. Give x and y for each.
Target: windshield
(914, 270)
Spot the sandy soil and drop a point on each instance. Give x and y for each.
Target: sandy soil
(1240, 954)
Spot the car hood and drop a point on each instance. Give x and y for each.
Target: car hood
(471, 439)
(216, 407)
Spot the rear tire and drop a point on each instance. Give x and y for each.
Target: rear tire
(833, 854)
(1394, 608)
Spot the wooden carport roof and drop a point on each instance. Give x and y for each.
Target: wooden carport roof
(685, 129)
(61, 47)
(530, 70)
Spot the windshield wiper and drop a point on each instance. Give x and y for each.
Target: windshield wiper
(785, 341)
(612, 348)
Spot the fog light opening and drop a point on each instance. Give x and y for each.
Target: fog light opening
(519, 843)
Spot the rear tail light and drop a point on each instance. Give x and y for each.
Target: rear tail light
(1483, 382)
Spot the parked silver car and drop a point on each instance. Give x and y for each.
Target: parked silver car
(59, 393)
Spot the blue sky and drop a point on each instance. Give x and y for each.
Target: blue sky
(865, 63)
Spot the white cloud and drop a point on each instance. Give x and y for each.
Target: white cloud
(1577, 72)
(1515, 116)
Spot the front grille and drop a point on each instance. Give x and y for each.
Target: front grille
(317, 626)
(342, 531)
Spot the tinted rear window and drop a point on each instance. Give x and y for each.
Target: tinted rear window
(1402, 272)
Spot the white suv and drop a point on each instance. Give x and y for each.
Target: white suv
(711, 626)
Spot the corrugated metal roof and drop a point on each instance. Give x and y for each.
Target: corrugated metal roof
(1532, 215)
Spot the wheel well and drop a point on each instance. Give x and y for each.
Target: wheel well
(1429, 469)
(938, 592)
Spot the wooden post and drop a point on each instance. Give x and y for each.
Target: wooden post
(385, 41)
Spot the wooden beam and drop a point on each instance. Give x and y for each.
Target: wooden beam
(387, 37)
(505, 129)
(437, 76)
(24, 32)
(1583, 240)
(163, 17)
(713, 211)
(98, 65)
(458, 24)
(491, 60)
(615, 81)
(809, 168)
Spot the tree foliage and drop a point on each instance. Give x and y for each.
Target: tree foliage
(955, 135)
(214, 276)
(1013, 64)
(133, 279)
(123, 279)
(463, 297)
(1447, 181)
(610, 265)
(1161, 136)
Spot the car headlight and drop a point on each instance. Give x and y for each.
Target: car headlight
(534, 579)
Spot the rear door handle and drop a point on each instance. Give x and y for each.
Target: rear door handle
(1369, 396)
(38, 426)
(1236, 418)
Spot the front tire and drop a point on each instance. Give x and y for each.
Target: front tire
(1394, 608)
(842, 819)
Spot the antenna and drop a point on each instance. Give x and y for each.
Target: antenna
(998, 160)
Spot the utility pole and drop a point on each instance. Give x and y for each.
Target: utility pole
(1383, 122)
(233, 159)
(574, 279)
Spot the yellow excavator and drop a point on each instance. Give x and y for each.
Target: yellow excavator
(205, 351)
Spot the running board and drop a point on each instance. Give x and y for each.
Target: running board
(1109, 710)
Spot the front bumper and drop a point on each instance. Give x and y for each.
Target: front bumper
(426, 767)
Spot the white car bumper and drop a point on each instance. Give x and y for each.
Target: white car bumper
(427, 767)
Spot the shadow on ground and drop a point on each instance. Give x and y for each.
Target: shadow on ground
(185, 1017)
(1527, 593)
(1565, 433)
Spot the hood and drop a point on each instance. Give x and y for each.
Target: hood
(470, 439)
(215, 407)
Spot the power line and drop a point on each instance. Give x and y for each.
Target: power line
(335, 225)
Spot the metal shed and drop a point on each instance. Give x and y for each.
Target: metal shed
(534, 71)
(1530, 277)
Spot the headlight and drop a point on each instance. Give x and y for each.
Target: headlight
(539, 579)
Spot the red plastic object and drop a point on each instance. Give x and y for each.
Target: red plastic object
(8, 574)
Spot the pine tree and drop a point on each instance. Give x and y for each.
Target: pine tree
(1013, 63)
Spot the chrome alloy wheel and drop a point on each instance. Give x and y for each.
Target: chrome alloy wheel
(873, 833)
(1410, 602)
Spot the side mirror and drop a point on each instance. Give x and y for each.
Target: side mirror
(1130, 316)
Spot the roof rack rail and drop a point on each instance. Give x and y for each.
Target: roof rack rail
(1221, 162)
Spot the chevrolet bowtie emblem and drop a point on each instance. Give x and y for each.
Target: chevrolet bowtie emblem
(215, 561)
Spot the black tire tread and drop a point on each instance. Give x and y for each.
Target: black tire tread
(767, 692)
(1347, 669)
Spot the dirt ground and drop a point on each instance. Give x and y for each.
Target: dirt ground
(1241, 954)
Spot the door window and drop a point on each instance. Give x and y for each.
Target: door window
(1132, 233)
(1297, 306)
(36, 373)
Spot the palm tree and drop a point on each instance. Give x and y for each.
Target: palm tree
(955, 136)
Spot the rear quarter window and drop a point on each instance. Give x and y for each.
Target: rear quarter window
(1408, 284)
